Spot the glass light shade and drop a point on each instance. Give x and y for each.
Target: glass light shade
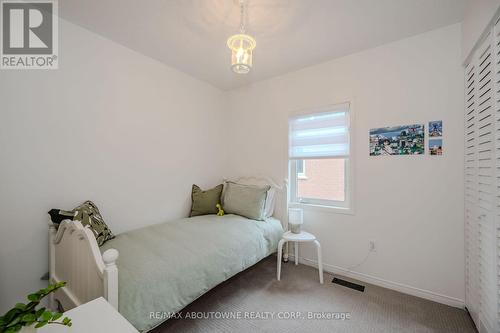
(295, 219)
(241, 46)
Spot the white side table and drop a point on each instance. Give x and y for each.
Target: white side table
(97, 316)
(299, 238)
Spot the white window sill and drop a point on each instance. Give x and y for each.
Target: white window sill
(322, 208)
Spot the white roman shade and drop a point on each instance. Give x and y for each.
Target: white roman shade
(320, 135)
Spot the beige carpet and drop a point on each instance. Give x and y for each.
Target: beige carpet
(256, 291)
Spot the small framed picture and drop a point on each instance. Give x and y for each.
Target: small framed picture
(436, 146)
(435, 129)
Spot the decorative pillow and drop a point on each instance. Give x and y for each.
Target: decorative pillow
(245, 200)
(205, 202)
(88, 214)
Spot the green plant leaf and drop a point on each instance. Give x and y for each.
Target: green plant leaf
(14, 322)
(31, 306)
(39, 312)
(20, 306)
(29, 317)
(41, 324)
(11, 314)
(66, 321)
(46, 315)
(13, 329)
(56, 315)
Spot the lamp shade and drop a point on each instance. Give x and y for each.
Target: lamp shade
(241, 46)
(295, 219)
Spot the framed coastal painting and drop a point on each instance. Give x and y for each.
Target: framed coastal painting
(397, 140)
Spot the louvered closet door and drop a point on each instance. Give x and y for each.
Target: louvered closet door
(482, 184)
(487, 188)
(496, 107)
(471, 195)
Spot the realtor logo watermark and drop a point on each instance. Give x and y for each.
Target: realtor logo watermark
(29, 36)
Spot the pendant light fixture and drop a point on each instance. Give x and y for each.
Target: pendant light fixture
(241, 46)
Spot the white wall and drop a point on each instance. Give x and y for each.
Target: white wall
(478, 15)
(110, 125)
(411, 205)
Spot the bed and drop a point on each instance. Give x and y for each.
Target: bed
(151, 273)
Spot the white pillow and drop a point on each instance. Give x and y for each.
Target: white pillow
(270, 202)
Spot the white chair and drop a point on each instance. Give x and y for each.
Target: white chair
(299, 238)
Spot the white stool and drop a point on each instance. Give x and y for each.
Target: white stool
(299, 238)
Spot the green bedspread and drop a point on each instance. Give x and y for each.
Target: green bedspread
(162, 268)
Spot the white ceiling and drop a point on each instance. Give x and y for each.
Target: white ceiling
(191, 35)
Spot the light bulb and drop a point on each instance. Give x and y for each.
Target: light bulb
(239, 54)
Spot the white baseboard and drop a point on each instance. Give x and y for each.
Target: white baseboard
(405, 289)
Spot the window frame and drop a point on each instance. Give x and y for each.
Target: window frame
(343, 207)
(302, 175)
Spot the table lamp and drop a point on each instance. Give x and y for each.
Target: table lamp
(295, 219)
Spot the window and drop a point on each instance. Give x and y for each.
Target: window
(319, 143)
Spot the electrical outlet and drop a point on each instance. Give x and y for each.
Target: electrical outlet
(373, 247)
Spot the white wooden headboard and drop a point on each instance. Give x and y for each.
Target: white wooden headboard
(75, 257)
